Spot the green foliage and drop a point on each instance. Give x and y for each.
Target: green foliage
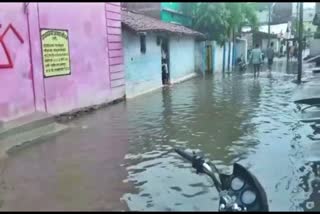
(218, 20)
(212, 19)
(295, 28)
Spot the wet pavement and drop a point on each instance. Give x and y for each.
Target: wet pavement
(121, 157)
(76, 171)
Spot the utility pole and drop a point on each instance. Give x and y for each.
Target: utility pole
(300, 42)
(288, 36)
(297, 19)
(224, 58)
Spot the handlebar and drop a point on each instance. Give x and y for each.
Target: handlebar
(184, 154)
(201, 166)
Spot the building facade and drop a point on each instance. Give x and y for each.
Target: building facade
(52, 65)
(171, 12)
(144, 41)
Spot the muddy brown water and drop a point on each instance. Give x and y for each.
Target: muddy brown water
(121, 157)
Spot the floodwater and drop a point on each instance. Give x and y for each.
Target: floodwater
(121, 157)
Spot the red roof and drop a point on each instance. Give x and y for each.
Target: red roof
(142, 23)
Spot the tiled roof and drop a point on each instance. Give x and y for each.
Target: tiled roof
(142, 23)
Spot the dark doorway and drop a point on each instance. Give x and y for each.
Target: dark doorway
(209, 59)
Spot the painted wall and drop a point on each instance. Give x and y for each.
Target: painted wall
(217, 55)
(241, 49)
(16, 97)
(95, 55)
(142, 71)
(172, 12)
(89, 82)
(182, 57)
(227, 56)
(218, 58)
(115, 51)
(199, 57)
(315, 47)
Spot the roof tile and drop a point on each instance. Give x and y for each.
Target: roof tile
(142, 23)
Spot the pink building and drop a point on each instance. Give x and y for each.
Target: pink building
(94, 74)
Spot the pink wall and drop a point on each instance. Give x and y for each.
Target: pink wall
(16, 96)
(115, 53)
(96, 57)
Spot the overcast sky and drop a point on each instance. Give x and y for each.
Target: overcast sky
(309, 4)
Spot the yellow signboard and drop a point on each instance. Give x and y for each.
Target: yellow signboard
(55, 52)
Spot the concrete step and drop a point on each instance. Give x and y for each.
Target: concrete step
(37, 135)
(25, 123)
(32, 128)
(312, 59)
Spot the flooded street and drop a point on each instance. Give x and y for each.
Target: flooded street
(230, 119)
(126, 151)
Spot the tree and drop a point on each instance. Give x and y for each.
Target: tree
(294, 29)
(250, 16)
(240, 15)
(217, 20)
(211, 19)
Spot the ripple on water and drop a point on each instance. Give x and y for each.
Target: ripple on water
(230, 119)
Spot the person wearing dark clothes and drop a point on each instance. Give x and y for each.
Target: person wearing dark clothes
(295, 50)
(270, 56)
(164, 68)
(164, 74)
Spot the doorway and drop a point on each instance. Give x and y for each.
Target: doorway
(165, 61)
(209, 59)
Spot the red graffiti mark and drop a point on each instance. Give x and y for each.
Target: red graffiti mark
(6, 51)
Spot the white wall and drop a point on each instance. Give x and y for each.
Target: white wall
(182, 57)
(218, 62)
(314, 47)
(200, 55)
(241, 48)
(227, 56)
(142, 71)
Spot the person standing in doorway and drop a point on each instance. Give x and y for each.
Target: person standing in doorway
(270, 56)
(164, 67)
(256, 59)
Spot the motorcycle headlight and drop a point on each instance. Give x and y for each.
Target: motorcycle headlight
(237, 184)
(248, 197)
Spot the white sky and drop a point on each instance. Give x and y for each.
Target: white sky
(309, 4)
(306, 4)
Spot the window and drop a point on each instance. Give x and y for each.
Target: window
(143, 43)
